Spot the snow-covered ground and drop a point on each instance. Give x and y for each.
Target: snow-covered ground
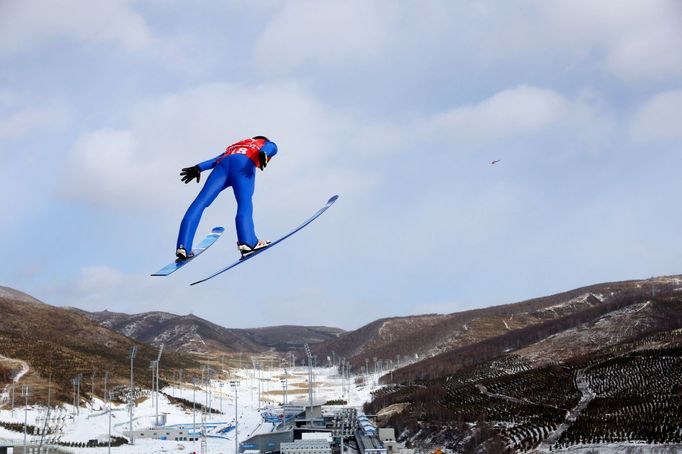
(93, 422)
(4, 394)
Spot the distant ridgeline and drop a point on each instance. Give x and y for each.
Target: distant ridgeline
(60, 345)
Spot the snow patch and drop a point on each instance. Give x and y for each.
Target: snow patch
(582, 299)
(4, 395)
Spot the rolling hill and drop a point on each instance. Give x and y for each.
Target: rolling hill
(407, 340)
(595, 368)
(192, 334)
(59, 343)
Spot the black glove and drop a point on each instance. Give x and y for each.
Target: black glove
(262, 160)
(190, 173)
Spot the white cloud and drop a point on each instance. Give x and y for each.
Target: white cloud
(637, 41)
(99, 278)
(632, 40)
(336, 33)
(100, 287)
(31, 119)
(116, 168)
(28, 23)
(9, 98)
(105, 165)
(522, 111)
(318, 147)
(659, 118)
(422, 218)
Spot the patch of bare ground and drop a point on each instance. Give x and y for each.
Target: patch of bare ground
(391, 410)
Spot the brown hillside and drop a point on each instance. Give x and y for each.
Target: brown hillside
(409, 339)
(665, 314)
(192, 334)
(61, 343)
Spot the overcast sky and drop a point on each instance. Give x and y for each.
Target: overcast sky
(397, 106)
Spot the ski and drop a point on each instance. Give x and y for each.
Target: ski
(317, 214)
(205, 244)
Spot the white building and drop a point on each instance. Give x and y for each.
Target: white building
(387, 437)
(306, 447)
(165, 433)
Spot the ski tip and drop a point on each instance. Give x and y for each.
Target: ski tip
(332, 199)
(218, 230)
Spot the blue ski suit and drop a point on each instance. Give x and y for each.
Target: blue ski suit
(237, 170)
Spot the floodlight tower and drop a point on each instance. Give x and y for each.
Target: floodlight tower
(131, 399)
(207, 369)
(209, 390)
(342, 365)
(252, 374)
(181, 380)
(220, 377)
(47, 415)
(73, 382)
(260, 382)
(310, 381)
(49, 390)
(221, 385)
(194, 405)
(25, 392)
(76, 381)
(153, 365)
(78, 388)
(235, 385)
(174, 380)
(284, 393)
(106, 379)
(180, 374)
(92, 390)
(109, 396)
(286, 386)
(158, 361)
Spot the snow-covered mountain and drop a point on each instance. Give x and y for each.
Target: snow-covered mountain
(579, 320)
(192, 334)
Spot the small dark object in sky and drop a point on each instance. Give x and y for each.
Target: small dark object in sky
(495, 161)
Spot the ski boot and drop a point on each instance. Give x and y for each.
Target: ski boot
(182, 255)
(245, 250)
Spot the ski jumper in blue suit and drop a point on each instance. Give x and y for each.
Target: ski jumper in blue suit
(237, 168)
